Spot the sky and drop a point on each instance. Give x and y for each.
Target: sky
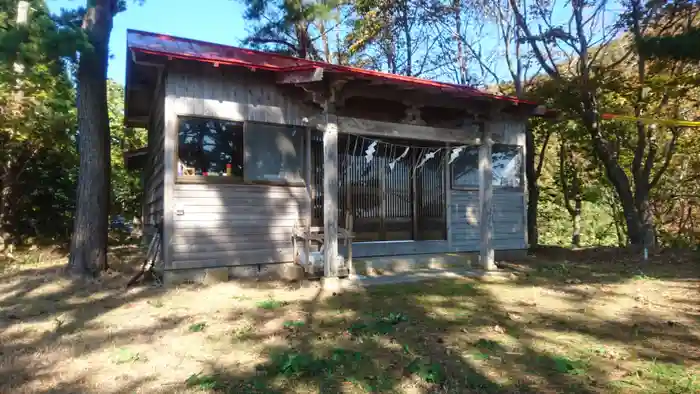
(217, 21)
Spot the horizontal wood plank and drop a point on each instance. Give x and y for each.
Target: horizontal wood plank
(233, 232)
(232, 236)
(263, 208)
(227, 246)
(238, 257)
(233, 217)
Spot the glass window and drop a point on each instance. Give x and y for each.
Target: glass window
(506, 165)
(274, 153)
(465, 168)
(210, 147)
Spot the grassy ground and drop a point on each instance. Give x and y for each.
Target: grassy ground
(586, 322)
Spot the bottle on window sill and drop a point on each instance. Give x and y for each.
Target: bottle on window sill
(228, 169)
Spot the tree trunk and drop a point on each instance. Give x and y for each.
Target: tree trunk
(88, 252)
(576, 234)
(6, 178)
(533, 190)
(5, 191)
(615, 174)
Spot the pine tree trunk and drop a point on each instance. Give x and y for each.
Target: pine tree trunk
(88, 252)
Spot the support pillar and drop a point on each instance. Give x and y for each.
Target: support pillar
(330, 193)
(486, 253)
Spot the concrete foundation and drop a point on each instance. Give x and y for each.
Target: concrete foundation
(411, 265)
(394, 265)
(288, 272)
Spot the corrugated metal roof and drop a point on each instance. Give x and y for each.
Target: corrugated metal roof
(183, 48)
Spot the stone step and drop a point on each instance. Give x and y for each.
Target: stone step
(360, 281)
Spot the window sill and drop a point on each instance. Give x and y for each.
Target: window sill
(228, 180)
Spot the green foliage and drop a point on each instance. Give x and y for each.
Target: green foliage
(126, 356)
(204, 382)
(271, 304)
(38, 129)
(381, 325)
(428, 372)
(682, 46)
(197, 327)
(288, 26)
(291, 324)
(126, 185)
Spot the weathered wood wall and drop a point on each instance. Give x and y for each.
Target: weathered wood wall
(225, 224)
(509, 208)
(153, 171)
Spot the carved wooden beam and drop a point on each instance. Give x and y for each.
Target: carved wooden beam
(413, 96)
(301, 76)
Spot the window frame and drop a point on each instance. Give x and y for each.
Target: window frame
(199, 179)
(521, 175)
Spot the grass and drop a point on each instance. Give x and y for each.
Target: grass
(584, 323)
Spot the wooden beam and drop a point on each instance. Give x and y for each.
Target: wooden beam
(330, 192)
(419, 98)
(301, 76)
(375, 128)
(486, 253)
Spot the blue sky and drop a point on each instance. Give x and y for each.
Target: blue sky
(218, 21)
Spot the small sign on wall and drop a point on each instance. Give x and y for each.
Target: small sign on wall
(179, 209)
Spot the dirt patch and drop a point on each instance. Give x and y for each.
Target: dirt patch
(565, 323)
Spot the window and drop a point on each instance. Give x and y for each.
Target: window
(506, 165)
(465, 169)
(274, 153)
(210, 147)
(214, 150)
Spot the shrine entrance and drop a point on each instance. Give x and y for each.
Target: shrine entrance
(395, 189)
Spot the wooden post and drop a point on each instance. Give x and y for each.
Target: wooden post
(330, 192)
(486, 255)
(309, 193)
(170, 135)
(447, 189)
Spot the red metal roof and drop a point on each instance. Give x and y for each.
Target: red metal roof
(183, 48)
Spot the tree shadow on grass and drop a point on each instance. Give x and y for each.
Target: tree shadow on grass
(446, 336)
(458, 336)
(42, 311)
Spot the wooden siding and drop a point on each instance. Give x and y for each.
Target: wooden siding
(227, 225)
(508, 226)
(509, 206)
(154, 185)
(233, 96)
